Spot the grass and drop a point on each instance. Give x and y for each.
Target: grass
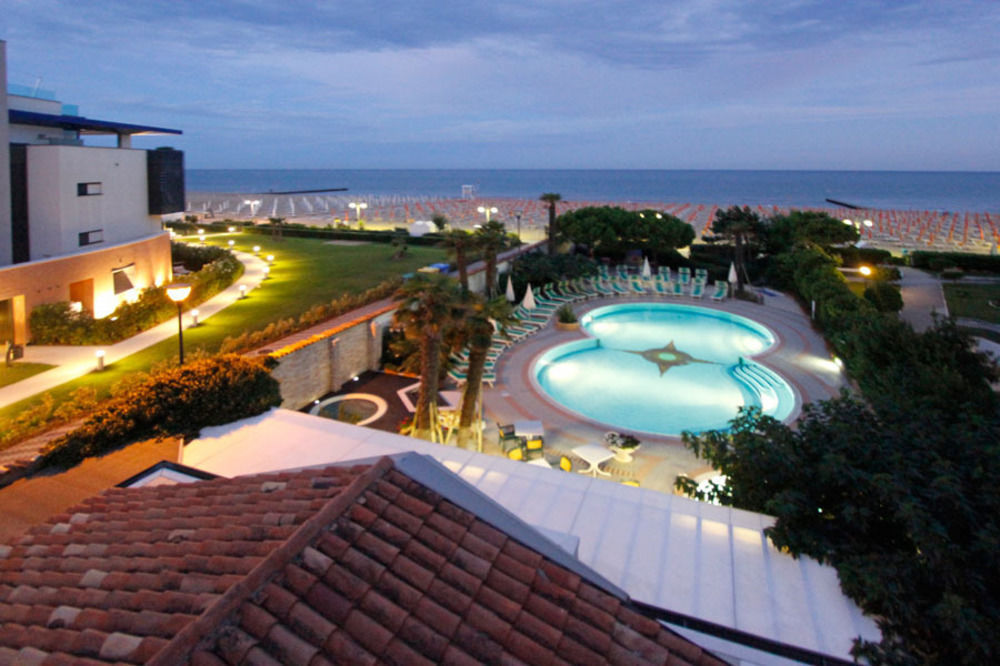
(305, 272)
(19, 371)
(972, 300)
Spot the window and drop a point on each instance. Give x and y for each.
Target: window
(88, 189)
(123, 279)
(91, 237)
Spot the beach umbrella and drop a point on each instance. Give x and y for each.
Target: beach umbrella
(529, 299)
(732, 272)
(646, 272)
(510, 290)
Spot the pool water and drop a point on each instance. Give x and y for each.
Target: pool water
(664, 368)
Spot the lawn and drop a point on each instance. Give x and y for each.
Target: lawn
(19, 371)
(973, 300)
(305, 272)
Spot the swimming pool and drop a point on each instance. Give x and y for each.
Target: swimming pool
(663, 368)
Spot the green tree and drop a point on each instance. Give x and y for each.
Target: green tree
(903, 504)
(783, 232)
(440, 222)
(611, 231)
(552, 198)
(491, 239)
(277, 227)
(884, 296)
(459, 242)
(429, 305)
(480, 316)
(740, 226)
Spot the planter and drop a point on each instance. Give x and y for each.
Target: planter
(568, 326)
(624, 455)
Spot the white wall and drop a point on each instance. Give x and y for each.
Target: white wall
(6, 251)
(57, 215)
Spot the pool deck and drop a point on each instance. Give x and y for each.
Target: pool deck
(800, 356)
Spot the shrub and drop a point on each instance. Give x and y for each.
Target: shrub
(884, 296)
(966, 261)
(214, 270)
(180, 401)
(565, 314)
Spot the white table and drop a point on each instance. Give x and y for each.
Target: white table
(529, 429)
(594, 455)
(540, 462)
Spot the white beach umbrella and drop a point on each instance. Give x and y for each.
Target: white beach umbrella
(529, 299)
(646, 271)
(732, 272)
(510, 290)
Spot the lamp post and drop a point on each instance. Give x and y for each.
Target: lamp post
(358, 206)
(517, 216)
(857, 224)
(177, 293)
(487, 210)
(253, 203)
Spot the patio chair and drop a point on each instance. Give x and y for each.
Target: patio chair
(603, 289)
(684, 275)
(664, 272)
(676, 289)
(534, 448)
(662, 287)
(619, 289)
(721, 290)
(637, 286)
(565, 464)
(549, 293)
(697, 289)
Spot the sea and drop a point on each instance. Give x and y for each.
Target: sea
(947, 191)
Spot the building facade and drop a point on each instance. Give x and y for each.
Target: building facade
(78, 223)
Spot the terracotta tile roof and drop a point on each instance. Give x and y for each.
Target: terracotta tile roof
(322, 566)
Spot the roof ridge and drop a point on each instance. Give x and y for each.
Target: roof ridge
(212, 618)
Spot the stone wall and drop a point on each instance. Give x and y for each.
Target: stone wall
(322, 363)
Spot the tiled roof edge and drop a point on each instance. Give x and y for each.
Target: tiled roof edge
(431, 473)
(178, 649)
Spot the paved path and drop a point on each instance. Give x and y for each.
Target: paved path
(76, 361)
(922, 298)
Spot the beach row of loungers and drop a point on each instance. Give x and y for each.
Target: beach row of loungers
(549, 298)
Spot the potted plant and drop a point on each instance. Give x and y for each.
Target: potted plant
(566, 319)
(622, 445)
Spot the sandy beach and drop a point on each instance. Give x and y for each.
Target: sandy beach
(894, 230)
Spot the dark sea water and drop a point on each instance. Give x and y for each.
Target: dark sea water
(914, 190)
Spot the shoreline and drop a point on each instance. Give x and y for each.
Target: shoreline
(894, 230)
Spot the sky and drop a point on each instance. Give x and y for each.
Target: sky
(685, 84)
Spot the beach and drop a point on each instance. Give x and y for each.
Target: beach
(895, 230)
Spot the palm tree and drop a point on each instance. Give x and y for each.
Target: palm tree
(551, 198)
(429, 306)
(741, 226)
(458, 242)
(491, 238)
(477, 333)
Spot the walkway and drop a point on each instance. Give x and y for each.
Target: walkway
(75, 361)
(923, 297)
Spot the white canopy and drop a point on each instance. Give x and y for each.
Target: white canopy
(510, 290)
(529, 299)
(646, 271)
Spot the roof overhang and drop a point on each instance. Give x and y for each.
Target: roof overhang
(84, 125)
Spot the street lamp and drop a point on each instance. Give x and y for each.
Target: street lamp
(487, 210)
(358, 206)
(517, 216)
(253, 205)
(177, 293)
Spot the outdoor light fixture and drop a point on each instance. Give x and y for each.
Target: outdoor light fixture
(358, 206)
(194, 318)
(177, 293)
(267, 272)
(270, 258)
(232, 230)
(100, 359)
(253, 205)
(231, 244)
(243, 291)
(488, 210)
(256, 249)
(865, 270)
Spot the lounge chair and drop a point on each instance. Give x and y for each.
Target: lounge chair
(684, 275)
(664, 272)
(701, 275)
(697, 289)
(603, 288)
(662, 287)
(676, 289)
(534, 448)
(721, 290)
(619, 289)
(637, 286)
(550, 295)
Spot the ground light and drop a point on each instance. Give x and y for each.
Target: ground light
(177, 293)
(100, 360)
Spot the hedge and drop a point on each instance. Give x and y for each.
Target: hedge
(937, 261)
(180, 401)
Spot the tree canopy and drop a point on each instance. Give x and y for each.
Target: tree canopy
(782, 232)
(611, 231)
